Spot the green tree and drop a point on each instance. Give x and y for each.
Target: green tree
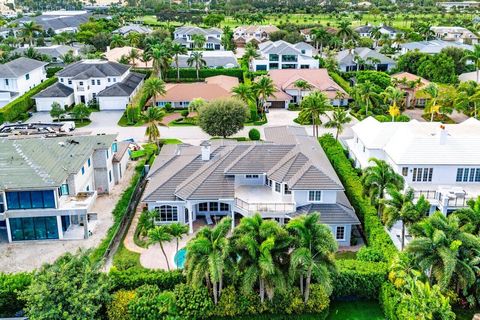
(367, 94)
(177, 50)
(207, 257)
(71, 288)
(177, 231)
(222, 117)
(320, 37)
(146, 222)
(196, 59)
(161, 57)
(470, 217)
(345, 31)
(468, 96)
(153, 117)
(152, 87)
(250, 54)
(244, 92)
(196, 104)
(338, 120)
(438, 68)
(29, 30)
(160, 235)
(474, 57)
(198, 41)
(302, 85)
(57, 111)
(133, 55)
(117, 41)
(313, 107)
(432, 105)
(81, 112)
(262, 89)
(313, 252)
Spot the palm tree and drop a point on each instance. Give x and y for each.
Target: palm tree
(320, 36)
(250, 54)
(198, 41)
(160, 235)
(207, 256)
(432, 105)
(261, 245)
(345, 31)
(339, 118)
(161, 56)
(312, 107)
(302, 85)
(152, 117)
(313, 253)
(177, 50)
(152, 87)
(29, 29)
(470, 217)
(262, 89)
(474, 57)
(134, 39)
(367, 94)
(32, 54)
(196, 58)
(145, 57)
(244, 92)
(468, 95)
(375, 34)
(400, 207)
(133, 55)
(117, 41)
(394, 97)
(377, 179)
(145, 222)
(177, 231)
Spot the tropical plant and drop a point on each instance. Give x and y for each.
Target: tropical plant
(177, 50)
(302, 85)
(366, 94)
(145, 57)
(470, 217)
(29, 30)
(393, 97)
(474, 57)
(177, 231)
(320, 37)
(81, 112)
(432, 106)
(153, 117)
(222, 117)
(117, 41)
(133, 55)
(152, 87)
(262, 89)
(345, 31)
(161, 56)
(196, 59)
(244, 92)
(146, 222)
(338, 120)
(160, 235)
(198, 41)
(313, 107)
(313, 253)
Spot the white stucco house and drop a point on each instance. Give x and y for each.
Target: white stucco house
(19, 76)
(366, 31)
(283, 55)
(111, 84)
(283, 177)
(213, 37)
(363, 58)
(439, 161)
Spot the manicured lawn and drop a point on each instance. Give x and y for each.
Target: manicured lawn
(348, 255)
(355, 310)
(80, 124)
(124, 123)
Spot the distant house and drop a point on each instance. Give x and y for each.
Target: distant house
(135, 28)
(432, 46)
(213, 37)
(55, 52)
(213, 59)
(457, 34)
(59, 21)
(308, 36)
(179, 95)
(411, 84)
(366, 31)
(287, 92)
(461, 5)
(116, 54)
(363, 58)
(255, 34)
(111, 84)
(19, 76)
(283, 55)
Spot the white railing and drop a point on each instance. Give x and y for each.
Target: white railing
(264, 207)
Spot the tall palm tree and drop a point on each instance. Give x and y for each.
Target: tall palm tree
(320, 37)
(468, 96)
(375, 34)
(339, 118)
(196, 59)
(244, 92)
(302, 85)
(262, 89)
(152, 117)
(432, 105)
(160, 235)
(146, 57)
(250, 54)
(313, 107)
(379, 177)
(161, 56)
(474, 57)
(177, 231)
(367, 94)
(207, 257)
(393, 97)
(345, 31)
(261, 246)
(28, 31)
(134, 39)
(117, 41)
(198, 41)
(145, 222)
(313, 253)
(177, 50)
(152, 87)
(133, 55)
(400, 207)
(470, 217)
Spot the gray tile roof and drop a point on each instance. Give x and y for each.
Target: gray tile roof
(133, 28)
(19, 67)
(123, 88)
(212, 58)
(52, 51)
(197, 30)
(348, 56)
(57, 22)
(39, 163)
(87, 69)
(57, 90)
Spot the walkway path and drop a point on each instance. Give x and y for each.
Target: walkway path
(128, 242)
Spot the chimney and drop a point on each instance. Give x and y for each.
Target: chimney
(205, 150)
(442, 135)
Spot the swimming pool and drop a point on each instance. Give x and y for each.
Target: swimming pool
(180, 258)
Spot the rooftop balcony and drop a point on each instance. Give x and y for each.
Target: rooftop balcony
(81, 201)
(261, 199)
(448, 196)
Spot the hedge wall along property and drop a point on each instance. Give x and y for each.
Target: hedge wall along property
(191, 73)
(14, 109)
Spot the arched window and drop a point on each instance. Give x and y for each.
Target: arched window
(168, 213)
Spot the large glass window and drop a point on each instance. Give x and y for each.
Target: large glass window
(315, 195)
(289, 58)
(422, 174)
(30, 199)
(38, 228)
(168, 213)
(340, 233)
(213, 206)
(203, 206)
(273, 57)
(224, 207)
(468, 175)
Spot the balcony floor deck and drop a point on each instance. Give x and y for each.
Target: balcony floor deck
(260, 194)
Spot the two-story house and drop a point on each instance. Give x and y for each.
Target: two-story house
(212, 37)
(54, 52)
(48, 186)
(109, 83)
(19, 76)
(432, 46)
(366, 31)
(439, 161)
(285, 176)
(362, 59)
(458, 34)
(252, 34)
(283, 55)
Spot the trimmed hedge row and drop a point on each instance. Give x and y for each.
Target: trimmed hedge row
(389, 299)
(11, 285)
(191, 73)
(376, 235)
(133, 278)
(14, 109)
(340, 81)
(358, 279)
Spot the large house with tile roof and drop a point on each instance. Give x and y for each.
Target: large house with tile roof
(283, 55)
(285, 176)
(213, 37)
(252, 34)
(363, 58)
(111, 84)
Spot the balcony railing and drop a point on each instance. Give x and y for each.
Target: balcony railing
(253, 208)
(428, 194)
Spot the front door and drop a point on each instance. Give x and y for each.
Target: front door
(82, 99)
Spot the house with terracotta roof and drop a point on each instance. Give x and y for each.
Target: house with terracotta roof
(319, 80)
(254, 34)
(179, 95)
(412, 85)
(116, 54)
(280, 178)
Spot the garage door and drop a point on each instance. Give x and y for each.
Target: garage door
(277, 104)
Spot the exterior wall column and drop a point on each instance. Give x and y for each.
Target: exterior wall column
(190, 220)
(233, 217)
(9, 232)
(59, 227)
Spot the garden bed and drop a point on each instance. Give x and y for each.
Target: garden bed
(443, 118)
(355, 310)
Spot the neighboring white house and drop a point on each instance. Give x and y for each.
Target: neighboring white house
(461, 5)
(254, 34)
(363, 58)
(213, 59)
(439, 161)
(49, 185)
(59, 21)
(19, 76)
(432, 46)
(286, 176)
(366, 31)
(111, 84)
(213, 37)
(283, 55)
(132, 28)
(458, 34)
(55, 52)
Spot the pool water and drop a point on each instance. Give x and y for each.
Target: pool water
(180, 258)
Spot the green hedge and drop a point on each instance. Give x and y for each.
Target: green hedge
(340, 81)
(375, 233)
(358, 279)
(52, 71)
(389, 299)
(191, 73)
(10, 287)
(14, 109)
(133, 278)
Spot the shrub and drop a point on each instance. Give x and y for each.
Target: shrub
(136, 277)
(402, 118)
(117, 309)
(192, 303)
(318, 300)
(340, 81)
(227, 304)
(151, 304)
(254, 134)
(10, 287)
(253, 112)
(13, 110)
(184, 113)
(389, 299)
(358, 279)
(222, 117)
(370, 254)
(168, 107)
(52, 71)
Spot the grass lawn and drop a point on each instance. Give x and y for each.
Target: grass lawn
(355, 310)
(443, 118)
(124, 123)
(81, 124)
(125, 258)
(349, 255)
